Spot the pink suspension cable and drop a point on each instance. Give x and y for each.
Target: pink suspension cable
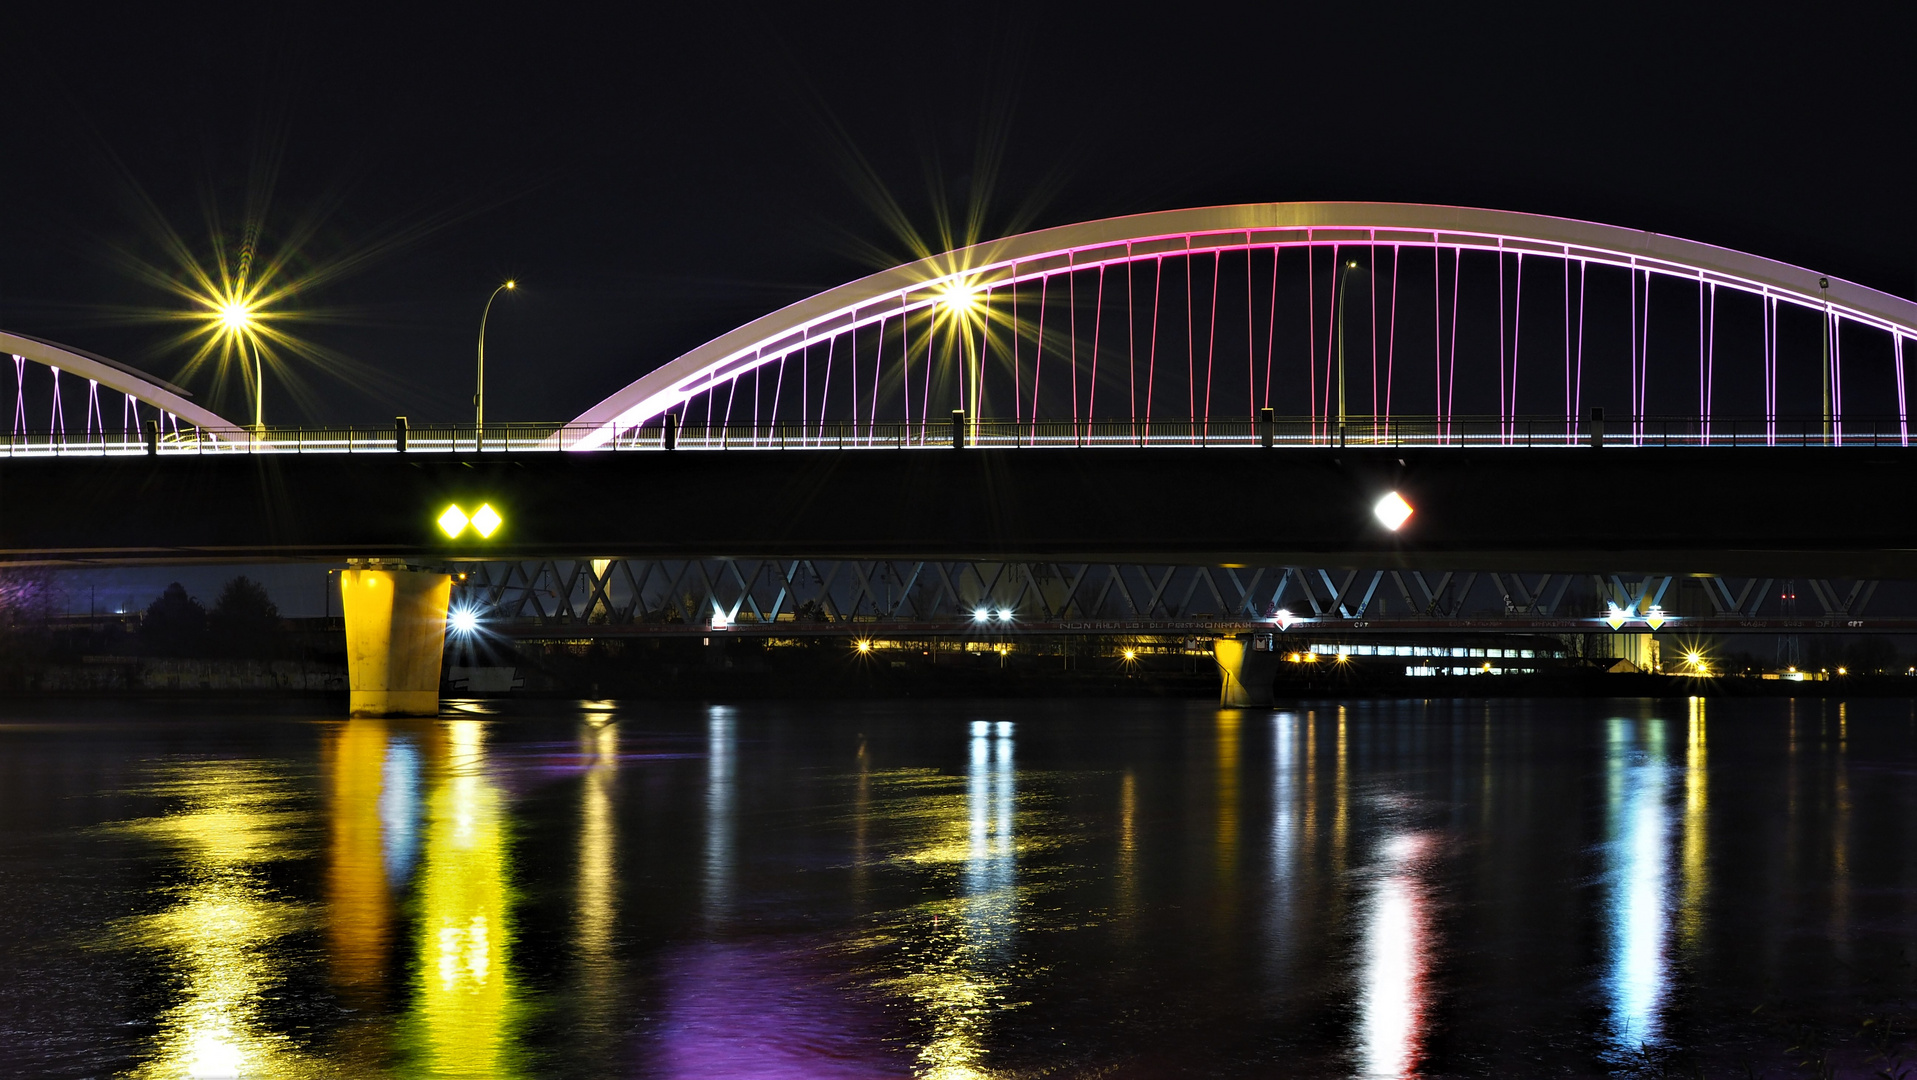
(1151, 360)
(1517, 326)
(1271, 328)
(1502, 353)
(1131, 345)
(1451, 379)
(878, 363)
(1577, 400)
(778, 387)
(984, 353)
(57, 422)
(1211, 334)
(1903, 415)
(1038, 360)
(825, 392)
(1098, 320)
(1837, 376)
(1644, 359)
(1251, 342)
(1071, 327)
(1391, 336)
(20, 395)
(1191, 352)
(1311, 335)
(1371, 331)
(1437, 338)
(1018, 388)
(925, 379)
(1633, 346)
(1710, 362)
(1570, 411)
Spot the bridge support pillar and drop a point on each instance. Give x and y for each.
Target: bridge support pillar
(395, 637)
(1247, 663)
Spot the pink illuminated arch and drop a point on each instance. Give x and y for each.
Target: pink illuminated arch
(895, 294)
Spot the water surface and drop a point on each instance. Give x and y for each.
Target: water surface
(960, 889)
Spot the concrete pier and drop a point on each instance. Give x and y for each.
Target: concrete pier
(395, 637)
(1247, 665)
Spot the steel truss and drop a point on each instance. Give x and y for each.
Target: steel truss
(798, 596)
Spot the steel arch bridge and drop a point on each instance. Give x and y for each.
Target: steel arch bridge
(1368, 321)
(37, 367)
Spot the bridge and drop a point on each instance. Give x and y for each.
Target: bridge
(1214, 396)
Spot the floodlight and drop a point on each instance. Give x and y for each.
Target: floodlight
(465, 620)
(1392, 511)
(487, 520)
(980, 615)
(453, 521)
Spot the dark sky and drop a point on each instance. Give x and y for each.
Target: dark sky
(657, 175)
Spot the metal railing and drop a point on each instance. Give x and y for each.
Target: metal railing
(946, 433)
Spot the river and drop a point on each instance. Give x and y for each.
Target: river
(959, 889)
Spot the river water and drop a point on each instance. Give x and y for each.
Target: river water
(960, 889)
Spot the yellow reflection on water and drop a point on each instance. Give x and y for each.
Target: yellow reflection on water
(360, 916)
(598, 842)
(1696, 841)
(465, 997)
(1226, 792)
(220, 934)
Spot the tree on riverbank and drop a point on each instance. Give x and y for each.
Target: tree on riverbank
(244, 620)
(175, 624)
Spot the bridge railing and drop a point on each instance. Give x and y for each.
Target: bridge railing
(945, 432)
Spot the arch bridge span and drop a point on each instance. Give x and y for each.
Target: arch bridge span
(1394, 320)
(44, 408)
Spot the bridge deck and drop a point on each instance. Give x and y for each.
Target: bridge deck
(1803, 511)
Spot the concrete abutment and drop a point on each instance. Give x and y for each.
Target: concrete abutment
(395, 638)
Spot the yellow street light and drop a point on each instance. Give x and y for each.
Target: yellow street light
(485, 521)
(479, 390)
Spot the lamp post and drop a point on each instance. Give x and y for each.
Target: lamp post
(479, 392)
(1344, 289)
(237, 318)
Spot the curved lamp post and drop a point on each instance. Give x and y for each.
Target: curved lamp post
(479, 392)
(237, 318)
(1344, 289)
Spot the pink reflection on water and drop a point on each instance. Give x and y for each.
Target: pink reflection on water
(1396, 950)
(745, 1011)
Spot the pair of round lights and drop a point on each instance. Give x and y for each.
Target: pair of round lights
(485, 521)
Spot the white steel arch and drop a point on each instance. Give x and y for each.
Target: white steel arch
(1111, 241)
(115, 376)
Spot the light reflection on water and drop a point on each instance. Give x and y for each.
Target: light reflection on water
(1396, 952)
(1636, 857)
(465, 997)
(1331, 890)
(223, 922)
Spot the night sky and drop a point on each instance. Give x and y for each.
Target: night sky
(654, 176)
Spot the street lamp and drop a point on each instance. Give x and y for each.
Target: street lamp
(1344, 289)
(237, 318)
(479, 392)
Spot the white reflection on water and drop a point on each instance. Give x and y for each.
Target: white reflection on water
(1394, 991)
(1636, 854)
(722, 742)
(399, 806)
(1284, 831)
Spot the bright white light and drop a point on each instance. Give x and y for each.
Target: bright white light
(1004, 614)
(1392, 510)
(465, 620)
(719, 620)
(981, 614)
(487, 520)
